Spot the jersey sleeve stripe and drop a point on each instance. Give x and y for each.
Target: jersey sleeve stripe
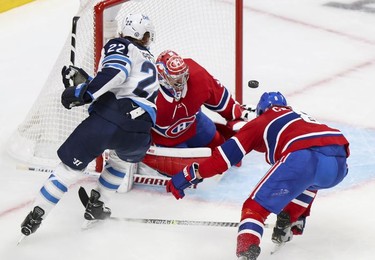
(116, 57)
(310, 136)
(277, 126)
(225, 158)
(222, 105)
(117, 67)
(232, 151)
(239, 145)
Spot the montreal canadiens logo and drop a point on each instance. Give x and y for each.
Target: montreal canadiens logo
(180, 127)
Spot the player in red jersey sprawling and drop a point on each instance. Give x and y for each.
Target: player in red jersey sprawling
(305, 156)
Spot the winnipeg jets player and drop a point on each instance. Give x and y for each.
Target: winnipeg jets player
(121, 115)
(305, 156)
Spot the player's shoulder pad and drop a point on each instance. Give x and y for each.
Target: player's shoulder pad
(195, 69)
(119, 40)
(119, 45)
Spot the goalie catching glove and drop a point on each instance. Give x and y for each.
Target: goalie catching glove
(182, 180)
(76, 82)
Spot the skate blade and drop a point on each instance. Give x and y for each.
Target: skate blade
(21, 239)
(88, 224)
(277, 247)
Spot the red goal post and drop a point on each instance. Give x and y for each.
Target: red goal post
(209, 31)
(238, 27)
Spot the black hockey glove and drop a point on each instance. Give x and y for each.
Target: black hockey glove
(76, 96)
(73, 76)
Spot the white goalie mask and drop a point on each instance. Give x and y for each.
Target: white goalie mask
(136, 25)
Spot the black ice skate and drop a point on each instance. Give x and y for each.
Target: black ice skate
(251, 254)
(31, 223)
(95, 209)
(282, 231)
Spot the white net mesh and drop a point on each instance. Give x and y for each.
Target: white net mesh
(201, 29)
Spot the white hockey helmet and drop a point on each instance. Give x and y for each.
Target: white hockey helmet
(136, 25)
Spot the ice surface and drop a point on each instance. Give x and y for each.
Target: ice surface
(321, 58)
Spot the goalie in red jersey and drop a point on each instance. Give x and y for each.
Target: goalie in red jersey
(185, 86)
(305, 156)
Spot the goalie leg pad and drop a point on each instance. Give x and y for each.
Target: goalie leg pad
(127, 183)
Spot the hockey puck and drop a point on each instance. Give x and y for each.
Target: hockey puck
(253, 84)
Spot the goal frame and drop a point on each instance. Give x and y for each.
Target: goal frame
(99, 32)
(99, 41)
(48, 124)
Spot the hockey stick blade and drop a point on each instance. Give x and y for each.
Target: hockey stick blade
(83, 196)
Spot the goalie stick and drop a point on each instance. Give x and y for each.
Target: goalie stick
(138, 178)
(84, 197)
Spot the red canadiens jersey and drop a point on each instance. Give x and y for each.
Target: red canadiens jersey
(176, 120)
(277, 132)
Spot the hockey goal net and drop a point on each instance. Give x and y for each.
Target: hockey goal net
(204, 30)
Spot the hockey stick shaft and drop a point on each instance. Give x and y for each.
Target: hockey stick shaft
(73, 40)
(181, 222)
(48, 170)
(138, 178)
(84, 197)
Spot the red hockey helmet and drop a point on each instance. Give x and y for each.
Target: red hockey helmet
(173, 71)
